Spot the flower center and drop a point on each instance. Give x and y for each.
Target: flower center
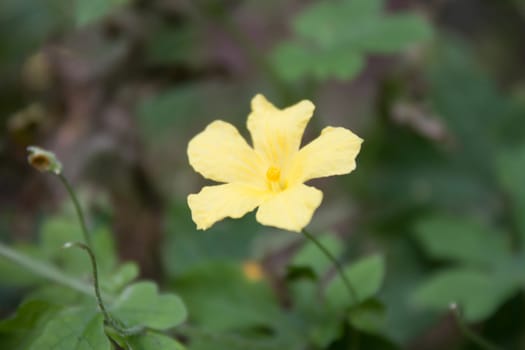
(273, 174)
(274, 181)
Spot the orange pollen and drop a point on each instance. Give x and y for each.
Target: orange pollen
(273, 174)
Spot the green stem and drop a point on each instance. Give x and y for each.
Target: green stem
(336, 263)
(44, 270)
(468, 333)
(96, 286)
(107, 316)
(71, 192)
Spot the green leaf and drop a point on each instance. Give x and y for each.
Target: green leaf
(124, 275)
(369, 317)
(360, 25)
(166, 112)
(391, 34)
(316, 318)
(334, 37)
(340, 63)
(140, 304)
(482, 119)
(173, 44)
(15, 275)
(311, 256)
(365, 276)
(80, 328)
(221, 297)
(511, 167)
(291, 60)
(403, 320)
(60, 229)
(25, 26)
(153, 341)
(18, 332)
(461, 239)
(478, 293)
(187, 249)
(88, 11)
(325, 22)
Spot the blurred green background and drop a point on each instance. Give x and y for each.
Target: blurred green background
(433, 214)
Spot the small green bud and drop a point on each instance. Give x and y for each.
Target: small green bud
(43, 160)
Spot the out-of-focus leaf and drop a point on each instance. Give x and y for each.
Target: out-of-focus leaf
(310, 255)
(88, 11)
(291, 60)
(58, 230)
(169, 110)
(369, 317)
(154, 341)
(172, 45)
(15, 275)
(140, 304)
(236, 302)
(481, 119)
(360, 25)
(403, 320)
(393, 34)
(334, 38)
(461, 239)
(365, 276)
(511, 172)
(24, 25)
(79, 328)
(187, 248)
(315, 316)
(118, 279)
(478, 293)
(18, 332)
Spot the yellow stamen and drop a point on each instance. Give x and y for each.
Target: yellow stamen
(273, 174)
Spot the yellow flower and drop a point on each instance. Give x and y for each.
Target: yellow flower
(271, 175)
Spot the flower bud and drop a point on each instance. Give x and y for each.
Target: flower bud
(43, 160)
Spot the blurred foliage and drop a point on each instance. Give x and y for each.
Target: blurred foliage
(434, 213)
(334, 37)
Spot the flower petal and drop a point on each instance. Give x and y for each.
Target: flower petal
(291, 209)
(214, 203)
(277, 133)
(332, 153)
(221, 154)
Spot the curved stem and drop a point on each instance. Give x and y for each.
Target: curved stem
(98, 295)
(468, 333)
(71, 192)
(336, 263)
(107, 316)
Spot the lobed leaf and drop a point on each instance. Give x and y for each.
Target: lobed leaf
(365, 276)
(140, 304)
(478, 293)
(89, 11)
(79, 328)
(462, 240)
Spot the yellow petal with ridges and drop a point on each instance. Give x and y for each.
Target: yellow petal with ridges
(214, 203)
(221, 154)
(277, 133)
(332, 153)
(291, 209)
